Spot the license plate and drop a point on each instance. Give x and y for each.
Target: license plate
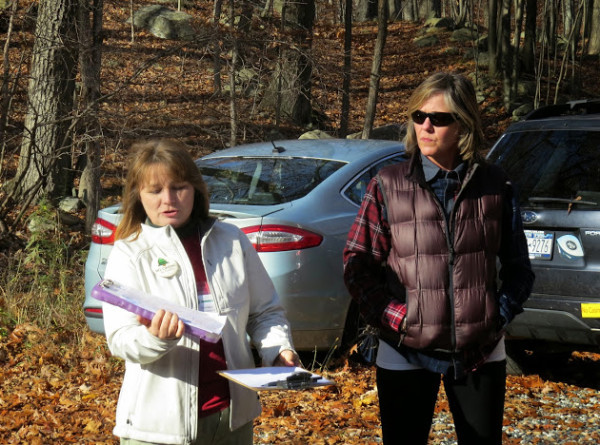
(540, 244)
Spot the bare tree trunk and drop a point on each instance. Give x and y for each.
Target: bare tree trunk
(365, 10)
(460, 12)
(345, 114)
(232, 76)
(268, 9)
(594, 45)
(519, 8)
(217, 48)
(493, 37)
(131, 11)
(530, 37)
(304, 17)
(506, 52)
(279, 78)
(382, 16)
(574, 34)
(410, 11)
(293, 80)
(551, 10)
(45, 161)
(7, 94)
(89, 27)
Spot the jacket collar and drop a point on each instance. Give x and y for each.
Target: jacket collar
(416, 171)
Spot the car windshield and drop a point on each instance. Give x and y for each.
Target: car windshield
(263, 180)
(553, 169)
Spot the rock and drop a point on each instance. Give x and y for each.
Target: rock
(143, 16)
(428, 40)
(315, 134)
(39, 224)
(70, 204)
(464, 35)
(390, 132)
(522, 110)
(163, 22)
(436, 22)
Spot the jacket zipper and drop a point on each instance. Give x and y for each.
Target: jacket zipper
(449, 235)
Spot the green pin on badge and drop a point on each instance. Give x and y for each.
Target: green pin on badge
(165, 267)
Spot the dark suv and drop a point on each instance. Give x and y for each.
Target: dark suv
(553, 157)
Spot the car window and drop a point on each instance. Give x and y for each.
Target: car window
(551, 168)
(263, 181)
(357, 189)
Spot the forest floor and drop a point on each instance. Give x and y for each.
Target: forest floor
(61, 386)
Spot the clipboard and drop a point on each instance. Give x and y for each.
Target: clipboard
(207, 326)
(276, 378)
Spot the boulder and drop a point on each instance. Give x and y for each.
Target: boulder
(164, 23)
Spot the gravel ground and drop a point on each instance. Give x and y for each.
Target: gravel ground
(550, 418)
(553, 403)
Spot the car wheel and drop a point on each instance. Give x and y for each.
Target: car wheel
(360, 340)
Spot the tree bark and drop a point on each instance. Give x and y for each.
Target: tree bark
(382, 17)
(6, 91)
(493, 37)
(516, 46)
(530, 37)
(594, 41)
(345, 113)
(292, 81)
(217, 48)
(89, 28)
(45, 161)
(365, 10)
(506, 52)
(232, 75)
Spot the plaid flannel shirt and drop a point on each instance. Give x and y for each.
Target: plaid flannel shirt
(366, 251)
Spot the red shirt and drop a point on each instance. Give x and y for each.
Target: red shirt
(213, 389)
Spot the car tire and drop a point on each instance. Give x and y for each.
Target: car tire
(360, 340)
(513, 367)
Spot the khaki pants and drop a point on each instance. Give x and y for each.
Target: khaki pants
(213, 430)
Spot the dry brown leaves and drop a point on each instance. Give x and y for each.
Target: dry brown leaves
(56, 389)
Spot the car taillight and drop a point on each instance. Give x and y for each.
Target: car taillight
(91, 312)
(275, 238)
(103, 232)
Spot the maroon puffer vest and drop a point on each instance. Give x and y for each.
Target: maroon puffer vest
(449, 271)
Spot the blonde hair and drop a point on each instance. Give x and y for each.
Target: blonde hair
(461, 99)
(179, 164)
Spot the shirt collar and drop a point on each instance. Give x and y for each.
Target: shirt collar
(430, 170)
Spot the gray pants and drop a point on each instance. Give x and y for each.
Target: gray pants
(213, 430)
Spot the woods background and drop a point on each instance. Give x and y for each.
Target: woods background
(81, 79)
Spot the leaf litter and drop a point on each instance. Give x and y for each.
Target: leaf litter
(54, 392)
(61, 388)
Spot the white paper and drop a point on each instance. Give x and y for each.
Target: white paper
(259, 379)
(205, 325)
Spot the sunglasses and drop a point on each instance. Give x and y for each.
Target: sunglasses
(437, 119)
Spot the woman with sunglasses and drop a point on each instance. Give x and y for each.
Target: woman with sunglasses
(420, 260)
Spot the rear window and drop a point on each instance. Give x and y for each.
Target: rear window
(263, 181)
(552, 168)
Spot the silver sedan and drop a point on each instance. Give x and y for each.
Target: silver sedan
(296, 201)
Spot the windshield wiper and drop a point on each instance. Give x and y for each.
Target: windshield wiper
(565, 200)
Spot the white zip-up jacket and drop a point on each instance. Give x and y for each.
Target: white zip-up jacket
(159, 395)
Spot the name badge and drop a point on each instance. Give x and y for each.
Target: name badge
(164, 267)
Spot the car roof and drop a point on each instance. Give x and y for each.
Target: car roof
(344, 150)
(584, 122)
(574, 115)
